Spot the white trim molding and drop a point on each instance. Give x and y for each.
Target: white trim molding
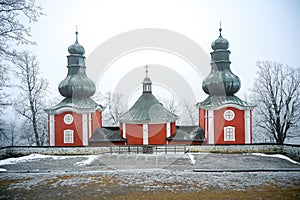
(90, 125)
(211, 127)
(247, 127)
(124, 130)
(145, 134)
(168, 129)
(51, 130)
(85, 140)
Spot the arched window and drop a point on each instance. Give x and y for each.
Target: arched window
(229, 133)
(68, 136)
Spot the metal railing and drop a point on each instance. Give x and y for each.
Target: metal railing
(148, 149)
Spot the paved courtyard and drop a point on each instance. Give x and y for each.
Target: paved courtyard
(151, 176)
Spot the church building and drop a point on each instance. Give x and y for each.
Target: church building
(72, 121)
(223, 117)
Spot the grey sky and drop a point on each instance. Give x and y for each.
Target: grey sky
(256, 30)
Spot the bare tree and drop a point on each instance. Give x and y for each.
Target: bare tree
(171, 104)
(277, 95)
(14, 32)
(33, 88)
(114, 107)
(192, 112)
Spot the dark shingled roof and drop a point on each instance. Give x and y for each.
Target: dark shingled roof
(216, 101)
(188, 133)
(107, 134)
(147, 109)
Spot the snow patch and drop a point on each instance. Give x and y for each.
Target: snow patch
(32, 157)
(276, 156)
(89, 161)
(3, 170)
(191, 158)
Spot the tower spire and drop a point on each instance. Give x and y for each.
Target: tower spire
(146, 67)
(147, 82)
(76, 33)
(220, 29)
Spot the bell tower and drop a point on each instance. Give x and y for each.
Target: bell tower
(73, 120)
(225, 118)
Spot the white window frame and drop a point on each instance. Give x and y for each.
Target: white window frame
(231, 114)
(68, 119)
(229, 133)
(68, 136)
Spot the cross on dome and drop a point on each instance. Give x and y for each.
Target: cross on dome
(147, 82)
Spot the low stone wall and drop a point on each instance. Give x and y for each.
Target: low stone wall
(291, 150)
(258, 148)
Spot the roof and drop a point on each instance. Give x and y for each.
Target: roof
(107, 134)
(81, 104)
(147, 109)
(217, 101)
(188, 133)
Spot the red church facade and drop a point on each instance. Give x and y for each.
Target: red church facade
(223, 117)
(228, 125)
(73, 120)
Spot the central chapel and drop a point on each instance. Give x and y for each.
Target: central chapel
(223, 117)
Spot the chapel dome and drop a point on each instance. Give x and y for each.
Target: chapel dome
(76, 48)
(220, 42)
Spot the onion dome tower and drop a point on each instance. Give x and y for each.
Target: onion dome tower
(221, 81)
(222, 108)
(147, 121)
(77, 116)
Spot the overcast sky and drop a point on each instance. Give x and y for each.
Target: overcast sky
(256, 30)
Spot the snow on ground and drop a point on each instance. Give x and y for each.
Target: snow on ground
(2, 170)
(32, 157)
(191, 158)
(89, 161)
(276, 156)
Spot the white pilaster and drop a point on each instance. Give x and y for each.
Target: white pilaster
(124, 130)
(168, 129)
(211, 127)
(145, 134)
(247, 127)
(84, 130)
(51, 130)
(90, 125)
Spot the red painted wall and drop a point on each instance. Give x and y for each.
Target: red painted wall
(201, 118)
(96, 120)
(60, 126)
(238, 122)
(157, 133)
(173, 128)
(134, 134)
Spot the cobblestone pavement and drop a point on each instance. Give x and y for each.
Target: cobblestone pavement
(140, 176)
